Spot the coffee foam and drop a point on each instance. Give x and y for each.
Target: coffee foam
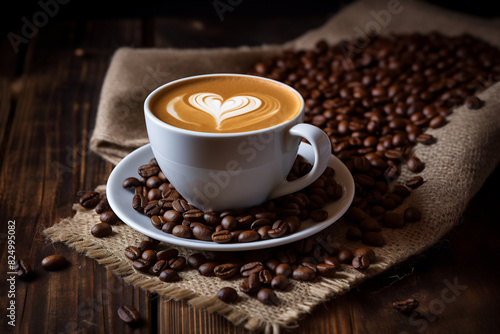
(225, 104)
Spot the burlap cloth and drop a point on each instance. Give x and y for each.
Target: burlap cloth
(465, 154)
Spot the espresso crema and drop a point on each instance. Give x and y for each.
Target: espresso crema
(225, 104)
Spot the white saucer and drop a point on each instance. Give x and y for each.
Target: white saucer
(120, 200)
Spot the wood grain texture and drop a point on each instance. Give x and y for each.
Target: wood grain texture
(46, 163)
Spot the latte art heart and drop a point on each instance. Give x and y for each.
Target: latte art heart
(225, 104)
(221, 110)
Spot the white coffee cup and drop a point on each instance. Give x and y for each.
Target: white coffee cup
(218, 171)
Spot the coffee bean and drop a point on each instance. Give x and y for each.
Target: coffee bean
(258, 223)
(131, 182)
(152, 209)
(154, 182)
(326, 270)
(267, 297)
(309, 264)
(109, 217)
(355, 214)
(251, 285)
(265, 277)
(141, 190)
(226, 270)
(132, 252)
(415, 182)
(148, 170)
(129, 314)
(207, 268)
(227, 295)
(248, 236)
(158, 221)
(154, 194)
(54, 262)
(375, 239)
(437, 122)
(90, 199)
(354, 233)
(201, 231)
(153, 162)
(167, 254)
(415, 165)
(146, 244)
(279, 229)
(425, 139)
(149, 255)
(304, 274)
(101, 230)
(141, 265)
(103, 205)
(182, 231)
(159, 266)
(369, 224)
(406, 306)
(345, 256)
(222, 236)
(284, 269)
(229, 223)
(318, 215)
(193, 215)
(23, 269)
(473, 103)
(333, 261)
(169, 275)
(196, 260)
(173, 216)
(181, 205)
(177, 263)
(280, 282)
(360, 262)
(212, 219)
(250, 268)
(245, 221)
(365, 251)
(139, 202)
(412, 214)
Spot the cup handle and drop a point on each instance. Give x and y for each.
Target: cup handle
(322, 153)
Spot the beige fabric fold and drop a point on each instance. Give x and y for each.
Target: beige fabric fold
(466, 152)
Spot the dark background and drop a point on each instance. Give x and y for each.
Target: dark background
(12, 12)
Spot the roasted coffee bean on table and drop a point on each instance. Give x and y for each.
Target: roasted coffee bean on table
(129, 314)
(54, 262)
(23, 269)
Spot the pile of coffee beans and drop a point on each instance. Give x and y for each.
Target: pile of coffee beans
(155, 197)
(375, 104)
(264, 270)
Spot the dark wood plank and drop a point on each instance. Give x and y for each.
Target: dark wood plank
(47, 152)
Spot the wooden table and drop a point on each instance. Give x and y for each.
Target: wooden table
(49, 95)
